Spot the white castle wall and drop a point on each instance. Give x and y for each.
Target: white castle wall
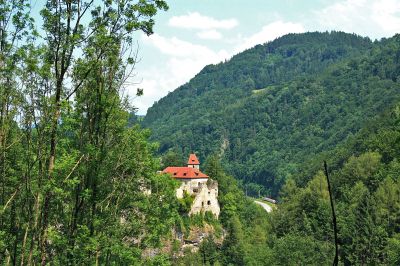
(191, 186)
(206, 195)
(206, 200)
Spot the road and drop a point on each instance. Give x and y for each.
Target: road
(264, 205)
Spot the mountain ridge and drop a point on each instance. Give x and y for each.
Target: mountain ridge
(275, 104)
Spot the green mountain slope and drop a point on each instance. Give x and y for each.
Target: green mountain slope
(274, 106)
(364, 171)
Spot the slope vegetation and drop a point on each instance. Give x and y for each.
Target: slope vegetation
(272, 107)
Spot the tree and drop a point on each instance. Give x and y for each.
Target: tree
(233, 247)
(363, 239)
(66, 184)
(16, 27)
(171, 158)
(208, 250)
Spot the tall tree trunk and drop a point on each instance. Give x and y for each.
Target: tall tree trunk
(50, 169)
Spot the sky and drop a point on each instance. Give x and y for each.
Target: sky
(195, 33)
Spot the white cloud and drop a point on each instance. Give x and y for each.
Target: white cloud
(269, 33)
(209, 35)
(374, 18)
(185, 61)
(177, 48)
(197, 21)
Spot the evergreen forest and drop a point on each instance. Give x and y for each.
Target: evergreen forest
(271, 116)
(271, 108)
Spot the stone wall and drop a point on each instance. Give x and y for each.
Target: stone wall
(206, 194)
(206, 199)
(191, 186)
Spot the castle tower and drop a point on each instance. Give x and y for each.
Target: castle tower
(193, 162)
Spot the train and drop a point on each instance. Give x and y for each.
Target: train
(270, 200)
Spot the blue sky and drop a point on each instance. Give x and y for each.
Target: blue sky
(194, 33)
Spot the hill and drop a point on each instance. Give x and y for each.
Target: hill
(364, 171)
(272, 107)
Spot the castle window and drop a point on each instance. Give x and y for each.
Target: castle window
(209, 202)
(195, 190)
(202, 203)
(209, 192)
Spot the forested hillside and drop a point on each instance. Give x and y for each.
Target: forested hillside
(364, 172)
(270, 108)
(366, 189)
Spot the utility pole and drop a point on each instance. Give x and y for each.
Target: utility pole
(336, 259)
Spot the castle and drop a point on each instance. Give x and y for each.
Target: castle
(196, 183)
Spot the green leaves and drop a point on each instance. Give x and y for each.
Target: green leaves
(393, 250)
(273, 107)
(366, 200)
(71, 171)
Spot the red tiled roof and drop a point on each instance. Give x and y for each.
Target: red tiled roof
(193, 159)
(184, 172)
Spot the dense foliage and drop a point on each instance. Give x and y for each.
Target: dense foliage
(275, 131)
(364, 173)
(73, 176)
(272, 107)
